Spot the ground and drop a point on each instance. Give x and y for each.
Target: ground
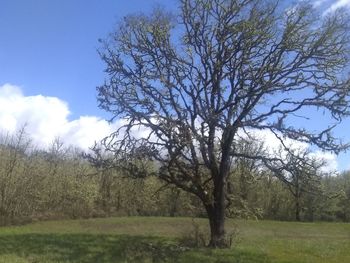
(157, 239)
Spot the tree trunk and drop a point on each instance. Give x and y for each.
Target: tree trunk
(297, 210)
(216, 215)
(217, 228)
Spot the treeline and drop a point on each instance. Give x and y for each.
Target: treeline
(57, 183)
(267, 197)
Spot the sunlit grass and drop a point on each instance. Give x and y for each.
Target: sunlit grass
(152, 239)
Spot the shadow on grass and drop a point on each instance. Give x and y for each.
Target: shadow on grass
(89, 248)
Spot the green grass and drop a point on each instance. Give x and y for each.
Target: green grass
(152, 239)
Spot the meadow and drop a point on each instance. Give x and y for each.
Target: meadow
(160, 239)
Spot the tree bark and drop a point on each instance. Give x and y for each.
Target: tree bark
(297, 210)
(217, 229)
(216, 215)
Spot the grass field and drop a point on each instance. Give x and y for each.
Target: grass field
(151, 239)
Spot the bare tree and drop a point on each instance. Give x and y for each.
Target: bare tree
(222, 66)
(301, 172)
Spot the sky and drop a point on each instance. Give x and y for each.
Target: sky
(50, 68)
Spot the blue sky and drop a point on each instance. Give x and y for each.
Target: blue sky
(49, 61)
(49, 46)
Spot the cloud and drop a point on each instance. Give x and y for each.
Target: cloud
(338, 4)
(46, 118)
(330, 159)
(273, 144)
(329, 6)
(318, 3)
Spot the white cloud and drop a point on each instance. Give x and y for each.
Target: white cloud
(46, 118)
(318, 3)
(330, 5)
(85, 131)
(338, 4)
(330, 159)
(273, 144)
